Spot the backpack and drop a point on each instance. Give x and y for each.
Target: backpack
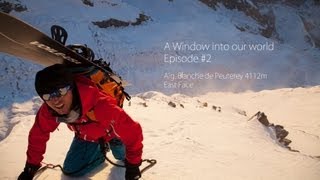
(101, 74)
(107, 81)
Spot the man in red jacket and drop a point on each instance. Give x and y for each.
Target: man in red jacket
(70, 100)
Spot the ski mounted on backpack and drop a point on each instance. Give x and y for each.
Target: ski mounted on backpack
(22, 40)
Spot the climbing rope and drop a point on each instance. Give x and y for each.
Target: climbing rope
(151, 163)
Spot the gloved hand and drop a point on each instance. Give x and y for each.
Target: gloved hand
(132, 171)
(28, 172)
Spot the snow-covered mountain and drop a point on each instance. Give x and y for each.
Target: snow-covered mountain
(243, 56)
(277, 42)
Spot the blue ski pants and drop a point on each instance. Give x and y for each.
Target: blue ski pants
(84, 156)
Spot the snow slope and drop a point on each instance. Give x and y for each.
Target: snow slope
(197, 142)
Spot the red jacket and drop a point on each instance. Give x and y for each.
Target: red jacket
(111, 121)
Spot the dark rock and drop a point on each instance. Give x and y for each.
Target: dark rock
(144, 104)
(262, 118)
(172, 104)
(265, 20)
(7, 7)
(88, 2)
(281, 133)
(285, 141)
(142, 18)
(111, 22)
(118, 23)
(214, 107)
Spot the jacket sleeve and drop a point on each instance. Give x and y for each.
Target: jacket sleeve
(123, 126)
(39, 135)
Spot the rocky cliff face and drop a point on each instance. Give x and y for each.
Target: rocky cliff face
(264, 13)
(8, 6)
(270, 17)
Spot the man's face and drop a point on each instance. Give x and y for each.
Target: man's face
(62, 104)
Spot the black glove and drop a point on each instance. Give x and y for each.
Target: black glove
(132, 171)
(28, 172)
